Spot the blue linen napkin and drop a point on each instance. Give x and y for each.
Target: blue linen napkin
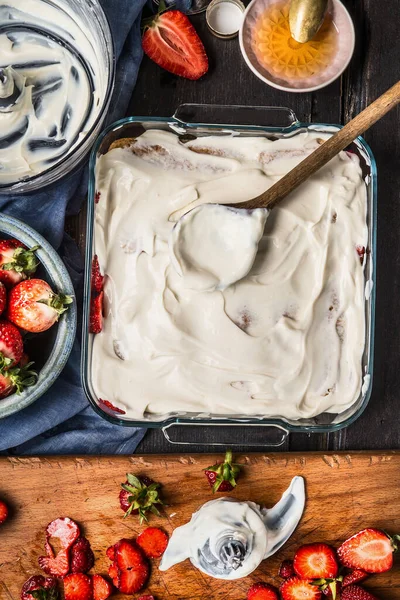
(61, 422)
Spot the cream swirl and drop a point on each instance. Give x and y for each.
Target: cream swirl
(51, 85)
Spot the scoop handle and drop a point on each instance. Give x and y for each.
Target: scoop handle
(324, 153)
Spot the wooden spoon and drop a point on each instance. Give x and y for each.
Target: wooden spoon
(328, 150)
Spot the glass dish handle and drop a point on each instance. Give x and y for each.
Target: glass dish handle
(252, 435)
(238, 116)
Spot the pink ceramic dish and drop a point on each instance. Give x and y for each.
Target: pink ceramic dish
(346, 42)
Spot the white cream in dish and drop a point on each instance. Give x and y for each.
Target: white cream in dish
(286, 340)
(52, 85)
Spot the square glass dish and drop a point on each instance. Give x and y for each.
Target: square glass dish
(190, 121)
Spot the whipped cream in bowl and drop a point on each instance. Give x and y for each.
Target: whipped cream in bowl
(56, 79)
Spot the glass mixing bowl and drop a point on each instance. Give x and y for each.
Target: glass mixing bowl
(81, 31)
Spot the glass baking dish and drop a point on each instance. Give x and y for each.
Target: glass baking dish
(199, 120)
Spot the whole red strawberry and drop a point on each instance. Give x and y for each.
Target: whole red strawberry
(172, 42)
(356, 592)
(16, 379)
(78, 586)
(370, 550)
(11, 345)
(81, 556)
(3, 297)
(262, 591)
(44, 588)
(34, 307)
(222, 476)
(3, 512)
(16, 262)
(139, 495)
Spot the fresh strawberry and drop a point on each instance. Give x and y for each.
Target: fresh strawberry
(3, 512)
(97, 197)
(361, 253)
(102, 588)
(34, 307)
(111, 553)
(3, 297)
(262, 591)
(97, 277)
(128, 555)
(356, 592)
(286, 569)
(222, 476)
(113, 573)
(58, 566)
(81, 556)
(131, 581)
(370, 550)
(24, 360)
(355, 576)
(298, 589)
(313, 561)
(65, 529)
(96, 314)
(11, 345)
(67, 532)
(153, 542)
(16, 379)
(78, 587)
(40, 588)
(172, 42)
(16, 262)
(139, 495)
(108, 406)
(329, 587)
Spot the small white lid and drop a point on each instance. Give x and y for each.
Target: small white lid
(225, 17)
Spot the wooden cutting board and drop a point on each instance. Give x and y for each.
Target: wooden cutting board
(345, 493)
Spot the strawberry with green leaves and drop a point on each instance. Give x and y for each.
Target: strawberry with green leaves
(16, 262)
(222, 476)
(38, 587)
(139, 496)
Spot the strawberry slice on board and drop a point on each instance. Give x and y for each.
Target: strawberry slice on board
(78, 586)
(153, 541)
(298, 589)
(171, 41)
(316, 561)
(133, 580)
(370, 550)
(262, 591)
(102, 588)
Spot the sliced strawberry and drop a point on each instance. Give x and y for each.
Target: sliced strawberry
(78, 587)
(96, 314)
(298, 589)
(113, 573)
(128, 555)
(58, 566)
(81, 556)
(97, 277)
(47, 587)
(370, 550)
(102, 588)
(222, 476)
(172, 42)
(356, 592)
(147, 597)
(153, 542)
(132, 580)
(106, 404)
(286, 569)
(111, 553)
(262, 591)
(3, 512)
(361, 253)
(65, 529)
(97, 197)
(315, 561)
(356, 576)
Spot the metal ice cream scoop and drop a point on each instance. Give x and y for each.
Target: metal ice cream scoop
(227, 538)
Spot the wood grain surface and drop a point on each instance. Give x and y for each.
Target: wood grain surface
(373, 69)
(345, 493)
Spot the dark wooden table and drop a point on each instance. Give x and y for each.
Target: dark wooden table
(374, 68)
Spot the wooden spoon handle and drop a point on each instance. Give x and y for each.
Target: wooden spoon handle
(330, 148)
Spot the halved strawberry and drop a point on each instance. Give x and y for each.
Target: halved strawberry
(102, 588)
(222, 476)
(298, 589)
(286, 569)
(58, 566)
(96, 314)
(172, 42)
(78, 586)
(315, 561)
(355, 576)
(97, 277)
(3, 512)
(262, 591)
(356, 592)
(153, 541)
(132, 580)
(128, 555)
(370, 550)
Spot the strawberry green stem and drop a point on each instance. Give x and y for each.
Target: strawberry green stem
(60, 302)
(23, 261)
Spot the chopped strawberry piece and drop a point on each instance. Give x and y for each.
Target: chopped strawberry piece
(128, 555)
(113, 573)
(111, 553)
(47, 585)
(370, 550)
(315, 561)
(97, 277)
(96, 314)
(153, 542)
(356, 592)
(286, 569)
(3, 512)
(106, 404)
(355, 576)
(102, 588)
(97, 197)
(361, 253)
(65, 529)
(78, 586)
(58, 566)
(81, 556)
(172, 42)
(262, 591)
(132, 580)
(298, 589)
(146, 598)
